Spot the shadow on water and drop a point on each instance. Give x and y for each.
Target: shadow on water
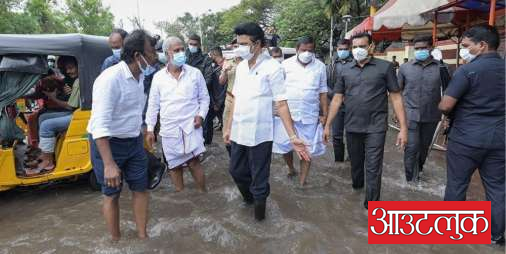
(326, 216)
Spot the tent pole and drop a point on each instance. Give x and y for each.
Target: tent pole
(491, 18)
(434, 29)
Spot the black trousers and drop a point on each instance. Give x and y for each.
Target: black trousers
(338, 136)
(250, 168)
(208, 126)
(419, 139)
(366, 154)
(462, 161)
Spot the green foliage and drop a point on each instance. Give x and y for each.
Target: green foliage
(50, 16)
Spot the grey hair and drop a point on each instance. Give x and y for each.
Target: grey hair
(171, 40)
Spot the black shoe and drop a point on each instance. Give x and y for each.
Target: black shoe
(246, 195)
(499, 241)
(366, 205)
(259, 210)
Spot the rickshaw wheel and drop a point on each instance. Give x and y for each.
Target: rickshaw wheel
(92, 180)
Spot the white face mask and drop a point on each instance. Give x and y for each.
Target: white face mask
(279, 59)
(360, 54)
(244, 52)
(305, 57)
(466, 55)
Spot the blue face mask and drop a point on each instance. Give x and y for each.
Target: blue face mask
(343, 54)
(179, 59)
(162, 58)
(422, 55)
(193, 49)
(116, 53)
(148, 70)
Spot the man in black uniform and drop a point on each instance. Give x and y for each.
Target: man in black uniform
(365, 85)
(421, 83)
(204, 63)
(343, 57)
(475, 99)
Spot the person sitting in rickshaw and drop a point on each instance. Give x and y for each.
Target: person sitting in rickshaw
(57, 118)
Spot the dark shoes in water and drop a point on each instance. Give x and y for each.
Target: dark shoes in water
(259, 210)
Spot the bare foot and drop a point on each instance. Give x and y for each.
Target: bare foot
(142, 236)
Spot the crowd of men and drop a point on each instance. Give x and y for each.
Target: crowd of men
(267, 104)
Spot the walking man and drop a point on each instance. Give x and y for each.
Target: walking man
(365, 85)
(117, 151)
(474, 100)
(420, 81)
(258, 83)
(306, 93)
(179, 94)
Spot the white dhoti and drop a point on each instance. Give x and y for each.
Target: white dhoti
(312, 134)
(182, 147)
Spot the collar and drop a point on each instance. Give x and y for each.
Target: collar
(263, 56)
(372, 61)
(433, 61)
(183, 71)
(487, 55)
(126, 71)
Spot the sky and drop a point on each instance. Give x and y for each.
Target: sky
(151, 11)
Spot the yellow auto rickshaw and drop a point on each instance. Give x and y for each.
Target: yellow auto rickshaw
(23, 61)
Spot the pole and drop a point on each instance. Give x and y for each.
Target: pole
(491, 18)
(434, 29)
(331, 36)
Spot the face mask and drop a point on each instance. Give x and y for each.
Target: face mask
(422, 55)
(360, 54)
(244, 52)
(306, 57)
(193, 49)
(343, 54)
(148, 70)
(162, 58)
(279, 59)
(179, 59)
(116, 53)
(50, 64)
(437, 54)
(466, 55)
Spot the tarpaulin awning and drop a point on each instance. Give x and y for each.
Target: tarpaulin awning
(397, 13)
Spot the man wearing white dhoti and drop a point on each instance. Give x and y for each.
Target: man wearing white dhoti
(306, 93)
(179, 94)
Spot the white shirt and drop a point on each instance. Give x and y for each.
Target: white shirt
(304, 84)
(254, 91)
(177, 101)
(117, 104)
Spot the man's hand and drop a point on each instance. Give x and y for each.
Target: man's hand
(50, 95)
(67, 90)
(326, 134)
(112, 175)
(197, 122)
(300, 147)
(226, 136)
(323, 120)
(150, 139)
(402, 139)
(227, 66)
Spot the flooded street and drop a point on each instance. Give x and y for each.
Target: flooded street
(327, 216)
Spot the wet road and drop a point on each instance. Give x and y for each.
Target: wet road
(325, 217)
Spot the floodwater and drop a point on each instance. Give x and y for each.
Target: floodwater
(327, 216)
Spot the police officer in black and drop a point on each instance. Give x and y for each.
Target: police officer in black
(366, 84)
(421, 84)
(343, 57)
(475, 101)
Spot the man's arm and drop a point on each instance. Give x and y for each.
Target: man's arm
(458, 86)
(203, 98)
(228, 124)
(398, 106)
(334, 106)
(208, 70)
(447, 104)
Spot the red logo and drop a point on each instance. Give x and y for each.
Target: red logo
(429, 222)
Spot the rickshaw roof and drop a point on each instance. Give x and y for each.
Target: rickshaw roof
(89, 50)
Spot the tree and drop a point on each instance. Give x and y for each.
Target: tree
(295, 18)
(89, 17)
(182, 27)
(47, 17)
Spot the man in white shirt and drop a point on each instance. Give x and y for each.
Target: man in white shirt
(258, 83)
(306, 94)
(180, 95)
(117, 151)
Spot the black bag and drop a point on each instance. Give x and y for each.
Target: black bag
(156, 168)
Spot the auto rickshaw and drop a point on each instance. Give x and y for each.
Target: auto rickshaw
(23, 60)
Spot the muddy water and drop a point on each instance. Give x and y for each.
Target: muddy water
(325, 217)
